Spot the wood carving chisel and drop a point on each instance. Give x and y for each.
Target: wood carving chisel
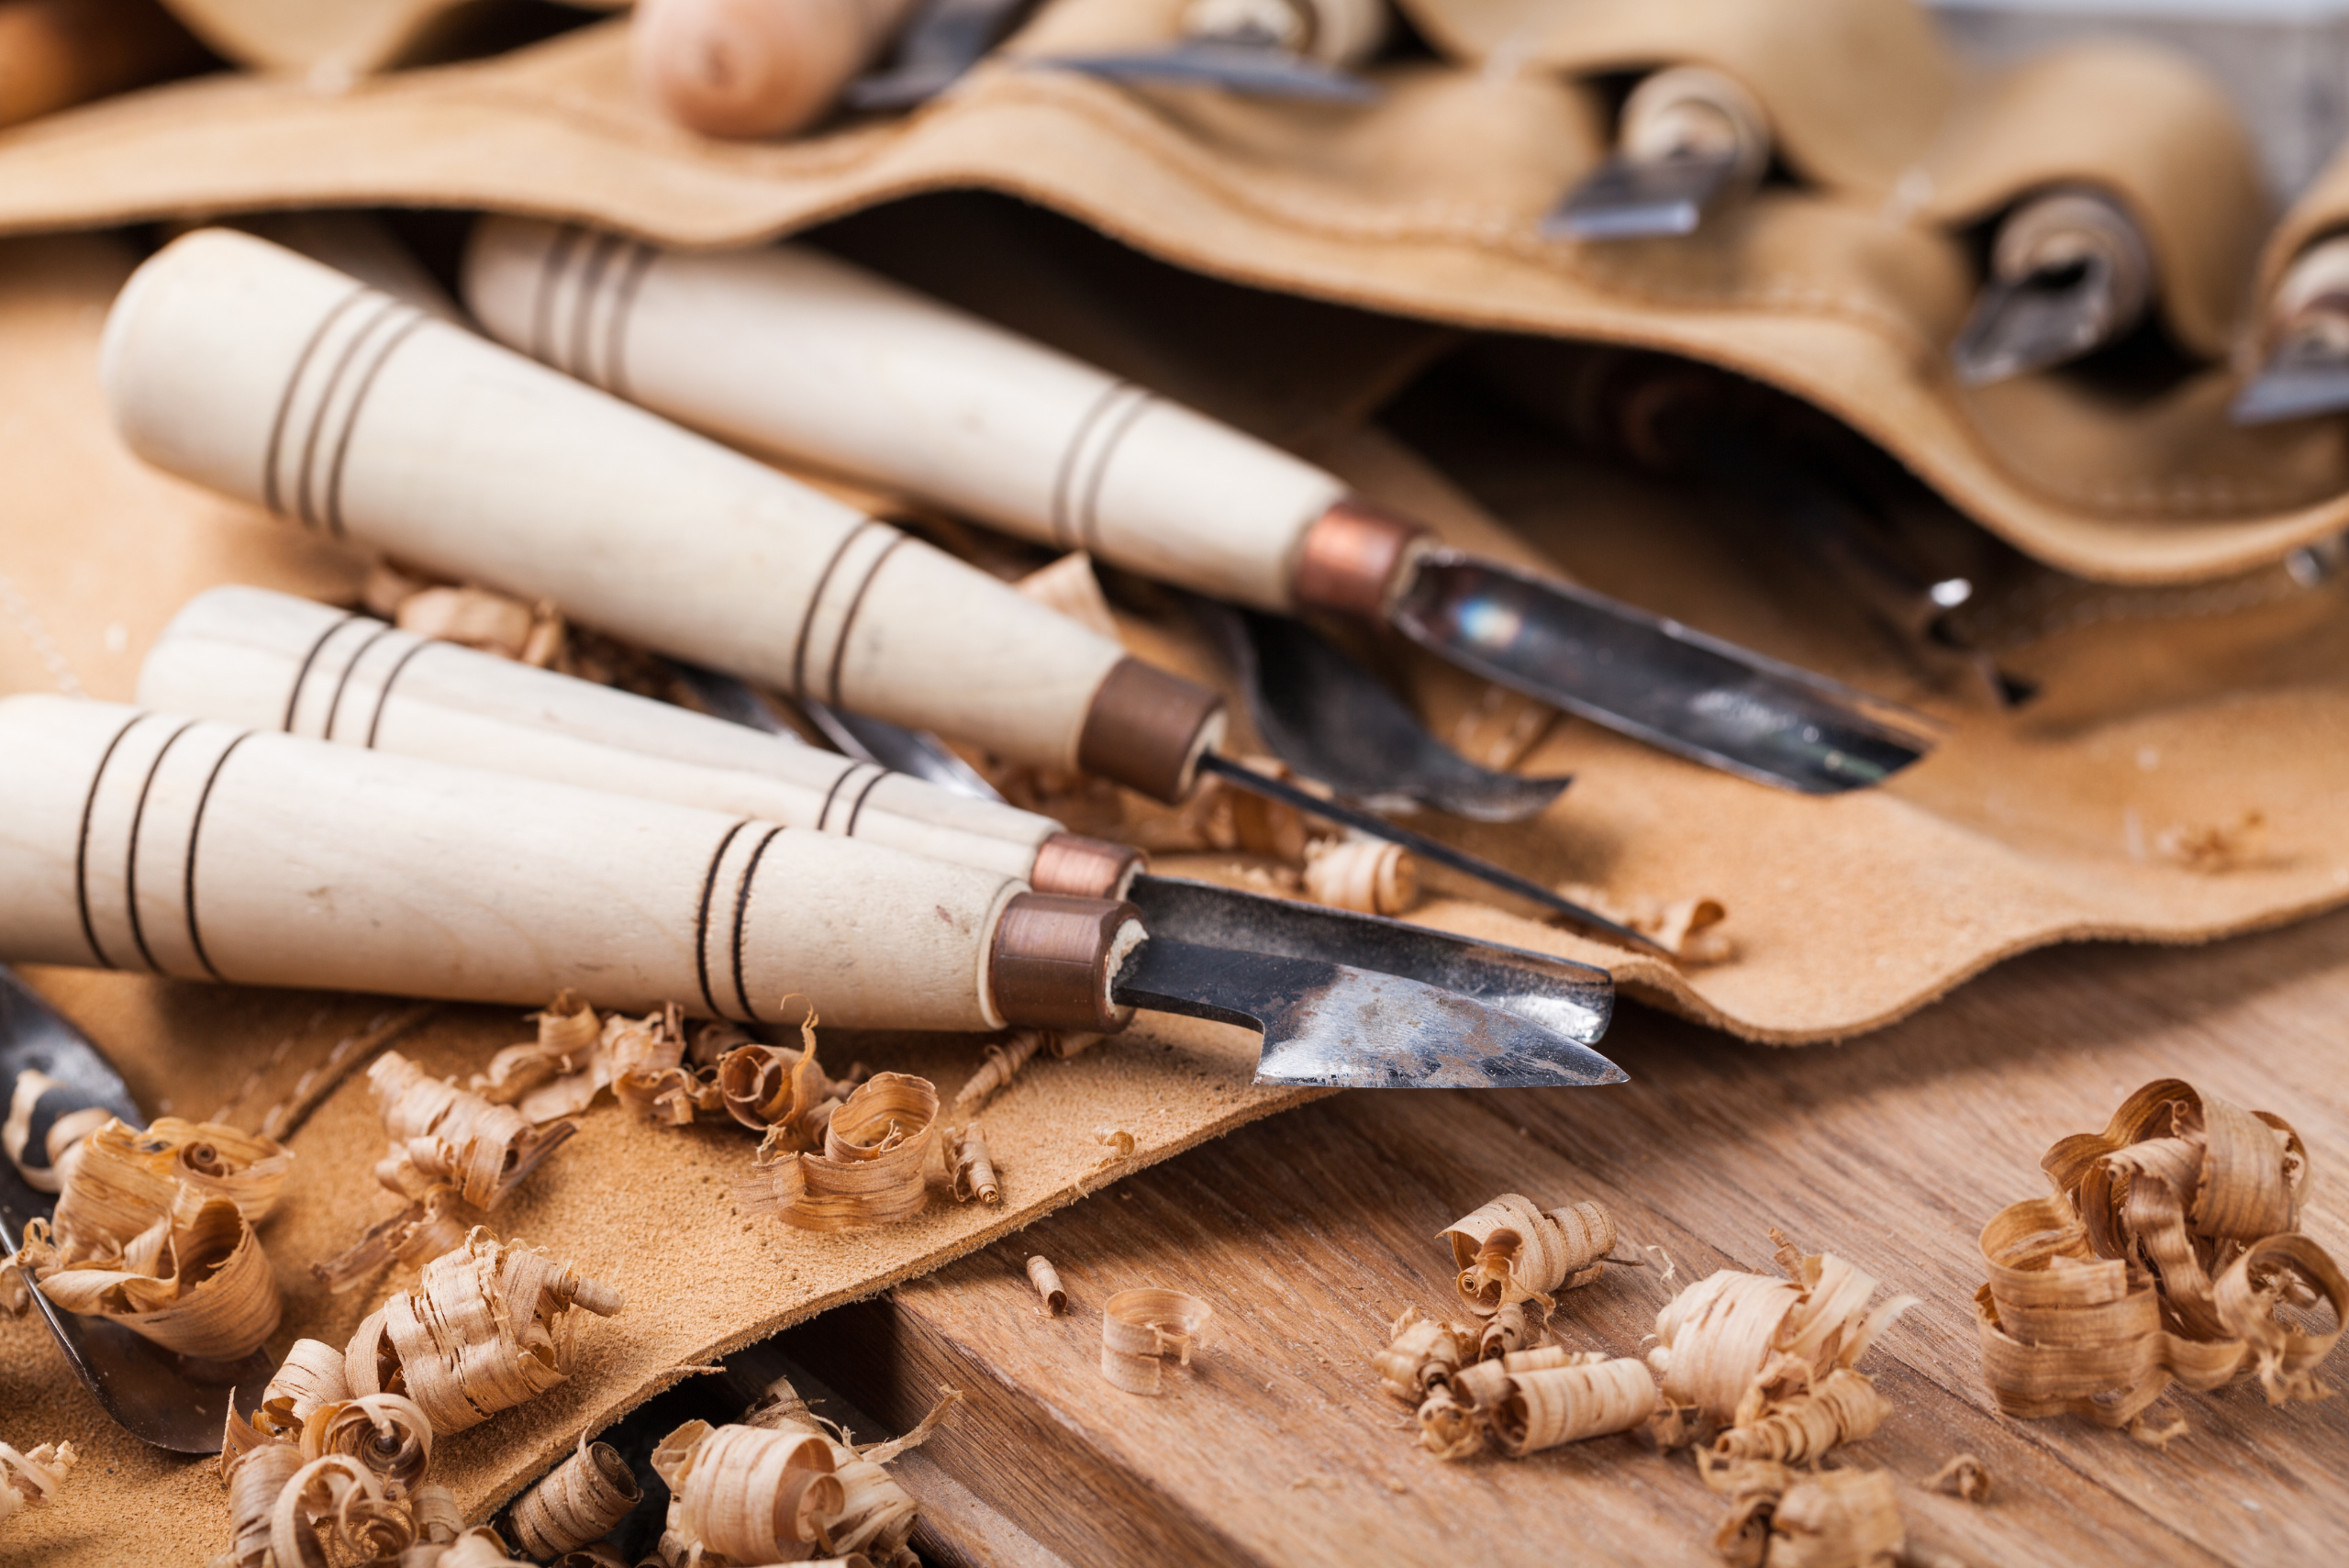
(1690, 141)
(245, 367)
(2306, 372)
(941, 40)
(199, 850)
(1304, 50)
(787, 350)
(2069, 273)
(269, 661)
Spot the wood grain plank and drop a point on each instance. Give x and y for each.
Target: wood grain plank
(1309, 1232)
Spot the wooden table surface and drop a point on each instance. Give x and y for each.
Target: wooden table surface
(1310, 1232)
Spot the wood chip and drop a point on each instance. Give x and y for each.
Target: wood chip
(878, 1515)
(33, 1476)
(1802, 1428)
(1047, 1280)
(488, 1326)
(1684, 928)
(746, 1494)
(333, 1508)
(1003, 1062)
(1963, 1476)
(973, 1172)
(257, 1477)
(1140, 1328)
(309, 1377)
(1541, 1408)
(1366, 875)
(876, 1147)
(1421, 1354)
(1838, 1518)
(1510, 1252)
(584, 1496)
(386, 1432)
(195, 1281)
(2166, 1256)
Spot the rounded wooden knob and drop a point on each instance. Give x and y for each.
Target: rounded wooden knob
(749, 67)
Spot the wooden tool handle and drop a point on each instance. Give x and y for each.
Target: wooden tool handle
(140, 841)
(752, 68)
(57, 53)
(242, 366)
(787, 350)
(268, 661)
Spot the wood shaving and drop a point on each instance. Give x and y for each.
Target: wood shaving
(1421, 1354)
(746, 1494)
(776, 1087)
(972, 1171)
(309, 1377)
(1541, 1408)
(2169, 1248)
(193, 1278)
(1509, 1251)
(1366, 875)
(1069, 586)
(595, 1554)
(579, 1502)
(478, 1548)
(1140, 1328)
(1733, 1344)
(559, 1074)
(488, 1326)
(494, 623)
(1049, 1289)
(1963, 1476)
(876, 1147)
(1003, 1063)
(1118, 1146)
(334, 1508)
(1223, 818)
(45, 1174)
(33, 1476)
(257, 1477)
(386, 1432)
(1838, 1518)
(1684, 928)
(876, 1514)
(1802, 1428)
(1062, 1045)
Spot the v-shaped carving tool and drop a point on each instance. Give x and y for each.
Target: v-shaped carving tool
(1690, 142)
(2070, 272)
(791, 351)
(2307, 370)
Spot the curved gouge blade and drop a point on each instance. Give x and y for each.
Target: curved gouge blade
(1333, 721)
(1335, 1025)
(1656, 198)
(943, 40)
(2033, 323)
(1421, 844)
(2302, 380)
(172, 1401)
(1567, 999)
(866, 739)
(1696, 695)
(1258, 70)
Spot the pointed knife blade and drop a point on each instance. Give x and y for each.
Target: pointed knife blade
(1657, 680)
(1334, 1025)
(2306, 377)
(2033, 323)
(1643, 198)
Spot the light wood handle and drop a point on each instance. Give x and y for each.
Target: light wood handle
(789, 351)
(57, 53)
(240, 365)
(269, 660)
(140, 841)
(754, 68)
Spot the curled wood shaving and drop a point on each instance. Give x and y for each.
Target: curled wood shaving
(595, 1554)
(1063, 1044)
(494, 623)
(583, 1499)
(1963, 1476)
(386, 1432)
(333, 1506)
(746, 1494)
(1510, 1252)
(1117, 1146)
(1367, 875)
(486, 1327)
(1049, 1289)
(2169, 1248)
(1421, 1354)
(257, 1477)
(1684, 928)
(876, 1146)
(1732, 1344)
(478, 1548)
(309, 1377)
(1802, 1428)
(1003, 1062)
(34, 1476)
(1221, 818)
(194, 1281)
(47, 1173)
(440, 1521)
(1838, 1518)
(972, 1170)
(1140, 1328)
(774, 1087)
(876, 1514)
(1519, 1325)
(1541, 1408)
(559, 1074)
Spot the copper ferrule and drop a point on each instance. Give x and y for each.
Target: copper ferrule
(1147, 730)
(1056, 959)
(1085, 868)
(1353, 558)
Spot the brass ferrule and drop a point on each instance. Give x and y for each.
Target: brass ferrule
(1056, 959)
(1353, 558)
(1147, 730)
(1085, 868)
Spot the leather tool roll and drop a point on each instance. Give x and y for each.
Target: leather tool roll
(248, 368)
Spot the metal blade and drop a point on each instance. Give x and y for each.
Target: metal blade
(1651, 199)
(1567, 999)
(2306, 377)
(1336, 1026)
(172, 1401)
(1257, 71)
(943, 40)
(1419, 844)
(1333, 721)
(868, 739)
(2033, 323)
(1692, 694)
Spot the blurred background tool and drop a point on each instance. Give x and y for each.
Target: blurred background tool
(790, 351)
(53, 1080)
(1276, 48)
(2069, 273)
(2306, 337)
(1690, 142)
(333, 41)
(57, 53)
(755, 68)
(942, 40)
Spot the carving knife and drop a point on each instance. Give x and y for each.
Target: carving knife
(2307, 370)
(941, 40)
(1689, 142)
(787, 350)
(270, 661)
(2070, 272)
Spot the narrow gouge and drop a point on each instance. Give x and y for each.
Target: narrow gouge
(1304, 50)
(2070, 272)
(2306, 372)
(1690, 141)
